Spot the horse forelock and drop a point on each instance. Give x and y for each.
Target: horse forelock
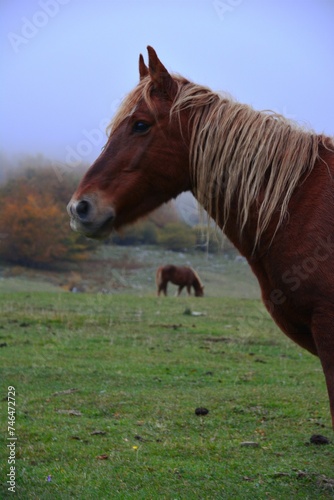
(142, 92)
(129, 104)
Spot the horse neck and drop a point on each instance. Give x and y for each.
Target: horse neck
(245, 167)
(196, 282)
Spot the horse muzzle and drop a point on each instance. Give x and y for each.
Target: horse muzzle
(90, 219)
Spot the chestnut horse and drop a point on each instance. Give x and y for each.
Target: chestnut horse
(181, 276)
(267, 183)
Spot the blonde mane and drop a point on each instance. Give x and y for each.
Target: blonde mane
(253, 160)
(244, 158)
(197, 277)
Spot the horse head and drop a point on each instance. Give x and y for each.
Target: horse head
(144, 162)
(199, 292)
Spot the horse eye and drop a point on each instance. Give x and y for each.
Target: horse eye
(140, 127)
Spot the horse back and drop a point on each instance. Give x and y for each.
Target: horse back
(177, 275)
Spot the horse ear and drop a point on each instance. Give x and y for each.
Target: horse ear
(159, 75)
(143, 69)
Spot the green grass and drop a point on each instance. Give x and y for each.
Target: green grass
(134, 369)
(115, 269)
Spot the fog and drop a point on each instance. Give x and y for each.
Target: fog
(66, 64)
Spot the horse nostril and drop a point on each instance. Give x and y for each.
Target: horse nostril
(82, 209)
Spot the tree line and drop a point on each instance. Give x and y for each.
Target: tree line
(34, 225)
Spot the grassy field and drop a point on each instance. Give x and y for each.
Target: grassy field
(115, 269)
(107, 385)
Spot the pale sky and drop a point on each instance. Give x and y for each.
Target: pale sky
(67, 63)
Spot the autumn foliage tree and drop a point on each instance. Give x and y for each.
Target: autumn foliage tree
(34, 225)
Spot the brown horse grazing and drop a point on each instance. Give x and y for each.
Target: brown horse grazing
(181, 276)
(266, 182)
